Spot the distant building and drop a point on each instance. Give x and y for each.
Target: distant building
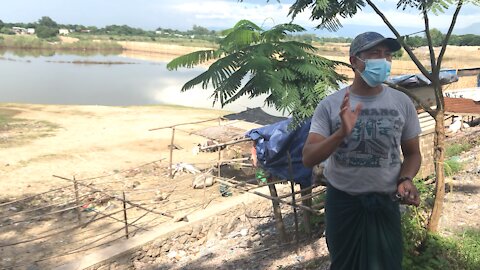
(63, 31)
(19, 30)
(31, 31)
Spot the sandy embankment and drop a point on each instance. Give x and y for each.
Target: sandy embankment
(155, 51)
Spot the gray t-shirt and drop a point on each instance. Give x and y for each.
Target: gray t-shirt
(368, 160)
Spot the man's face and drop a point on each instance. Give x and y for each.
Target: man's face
(377, 52)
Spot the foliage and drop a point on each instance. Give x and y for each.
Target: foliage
(327, 11)
(457, 148)
(253, 62)
(31, 42)
(452, 166)
(45, 32)
(47, 22)
(423, 250)
(398, 54)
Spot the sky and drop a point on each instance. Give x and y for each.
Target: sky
(220, 14)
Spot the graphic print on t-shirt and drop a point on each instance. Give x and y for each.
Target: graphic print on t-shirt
(373, 139)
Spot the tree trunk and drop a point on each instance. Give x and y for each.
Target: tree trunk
(438, 157)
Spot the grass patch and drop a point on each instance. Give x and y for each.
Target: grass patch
(6, 117)
(32, 42)
(457, 148)
(452, 166)
(16, 131)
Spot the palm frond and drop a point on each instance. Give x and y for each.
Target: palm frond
(192, 59)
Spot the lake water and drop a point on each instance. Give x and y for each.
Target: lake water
(56, 79)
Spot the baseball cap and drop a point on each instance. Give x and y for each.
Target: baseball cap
(368, 40)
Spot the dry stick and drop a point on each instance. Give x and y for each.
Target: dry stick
(75, 251)
(107, 175)
(226, 143)
(75, 187)
(32, 196)
(42, 215)
(299, 191)
(40, 208)
(109, 216)
(292, 186)
(218, 163)
(314, 194)
(183, 124)
(170, 172)
(263, 185)
(125, 215)
(266, 196)
(129, 202)
(59, 232)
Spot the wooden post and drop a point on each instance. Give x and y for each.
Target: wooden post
(277, 213)
(219, 163)
(306, 214)
(79, 214)
(294, 204)
(125, 214)
(219, 150)
(171, 153)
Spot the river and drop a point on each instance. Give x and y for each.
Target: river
(54, 78)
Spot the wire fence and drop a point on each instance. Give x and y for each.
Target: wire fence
(46, 228)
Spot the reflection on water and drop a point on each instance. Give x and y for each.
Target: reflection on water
(42, 77)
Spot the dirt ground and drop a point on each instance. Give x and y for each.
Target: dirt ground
(97, 141)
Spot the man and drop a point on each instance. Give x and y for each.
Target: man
(359, 131)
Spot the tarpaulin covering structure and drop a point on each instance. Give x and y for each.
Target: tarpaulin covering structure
(273, 142)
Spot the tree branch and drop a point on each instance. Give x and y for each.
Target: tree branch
(449, 33)
(434, 76)
(429, 41)
(407, 48)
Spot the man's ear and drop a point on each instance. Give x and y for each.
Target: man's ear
(353, 62)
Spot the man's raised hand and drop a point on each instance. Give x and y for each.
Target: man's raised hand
(347, 116)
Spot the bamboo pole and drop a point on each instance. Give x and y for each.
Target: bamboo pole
(183, 124)
(277, 214)
(125, 214)
(113, 196)
(225, 143)
(77, 202)
(219, 164)
(266, 196)
(292, 187)
(171, 154)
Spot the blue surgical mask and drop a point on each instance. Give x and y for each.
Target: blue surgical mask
(376, 71)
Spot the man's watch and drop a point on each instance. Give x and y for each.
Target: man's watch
(403, 179)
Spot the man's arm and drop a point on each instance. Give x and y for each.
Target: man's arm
(317, 148)
(412, 160)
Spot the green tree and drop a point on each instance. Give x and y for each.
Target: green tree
(1, 24)
(46, 32)
(200, 30)
(46, 28)
(437, 37)
(329, 12)
(47, 22)
(252, 61)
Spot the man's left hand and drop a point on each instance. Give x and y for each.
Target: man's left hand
(408, 193)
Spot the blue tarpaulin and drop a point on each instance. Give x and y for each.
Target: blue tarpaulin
(273, 142)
